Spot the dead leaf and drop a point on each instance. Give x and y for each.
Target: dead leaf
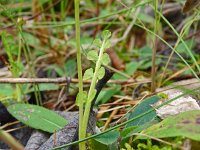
(190, 5)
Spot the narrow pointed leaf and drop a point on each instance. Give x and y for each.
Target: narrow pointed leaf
(186, 124)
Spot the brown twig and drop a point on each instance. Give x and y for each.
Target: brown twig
(33, 80)
(120, 103)
(62, 80)
(114, 112)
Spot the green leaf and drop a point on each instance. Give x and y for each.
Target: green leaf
(128, 130)
(70, 67)
(45, 87)
(131, 67)
(93, 144)
(106, 34)
(93, 95)
(88, 74)
(186, 124)
(105, 59)
(135, 129)
(81, 98)
(108, 138)
(118, 76)
(9, 44)
(145, 52)
(30, 39)
(182, 49)
(146, 63)
(146, 18)
(6, 90)
(163, 95)
(141, 108)
(85, 39)
(106, 94)
(92, 55)
(17, 67)
(97, 43)
(37, 117)
(101, 73)
(107, 44)
(57, 68)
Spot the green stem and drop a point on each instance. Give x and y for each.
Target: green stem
(92, 89)
(78, 52)
(153, 69)
(29, 59)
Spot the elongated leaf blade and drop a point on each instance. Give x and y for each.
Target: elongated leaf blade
(186, 124)
(37, 117)
(144, 106)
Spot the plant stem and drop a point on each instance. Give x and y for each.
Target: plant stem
(78, 55)
(153, 68)
(92, 89)
(9, 140)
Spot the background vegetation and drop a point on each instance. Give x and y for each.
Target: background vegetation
(153, 44)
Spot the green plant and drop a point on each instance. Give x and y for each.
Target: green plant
(13, 52)
(23, 45)
(150, 146)
(100, 58)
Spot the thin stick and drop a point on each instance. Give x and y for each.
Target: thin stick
(111, 109)
(15, 129)
(110, 119)
(61, 80)
(8, 139)
(34, 80)
(8, 124)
